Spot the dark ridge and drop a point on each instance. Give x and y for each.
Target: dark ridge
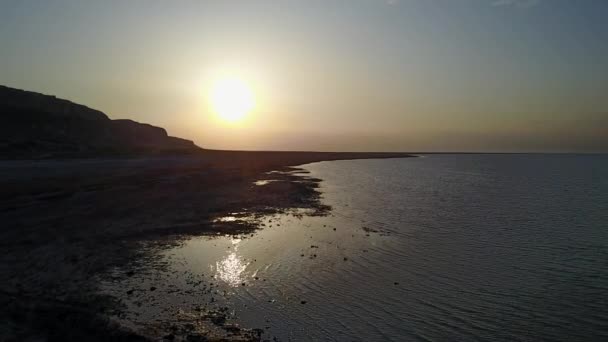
(35, 126)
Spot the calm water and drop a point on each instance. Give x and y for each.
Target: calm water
(438, 248)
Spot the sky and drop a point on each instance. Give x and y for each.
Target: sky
(328, 75)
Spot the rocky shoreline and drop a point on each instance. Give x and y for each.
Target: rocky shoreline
(68, 223)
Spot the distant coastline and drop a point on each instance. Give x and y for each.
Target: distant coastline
(38, 126)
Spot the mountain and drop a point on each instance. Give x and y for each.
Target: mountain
(34, 125)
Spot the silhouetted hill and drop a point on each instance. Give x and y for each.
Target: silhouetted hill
(34, 125)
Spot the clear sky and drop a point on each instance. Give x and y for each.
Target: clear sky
(358, 75)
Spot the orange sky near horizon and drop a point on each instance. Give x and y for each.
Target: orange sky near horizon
(361, 75)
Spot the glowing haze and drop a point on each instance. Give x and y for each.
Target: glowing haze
(358, 75)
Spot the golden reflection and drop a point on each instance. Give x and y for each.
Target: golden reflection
(231, 269)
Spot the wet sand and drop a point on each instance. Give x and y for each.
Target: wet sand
(68, 223)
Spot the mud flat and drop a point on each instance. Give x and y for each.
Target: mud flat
(70, 225)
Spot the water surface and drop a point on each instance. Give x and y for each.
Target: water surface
(438, 248)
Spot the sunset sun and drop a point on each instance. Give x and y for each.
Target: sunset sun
(232, 99)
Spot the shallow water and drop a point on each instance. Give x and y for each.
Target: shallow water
(443, 247)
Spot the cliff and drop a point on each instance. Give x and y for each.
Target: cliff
(34, 125)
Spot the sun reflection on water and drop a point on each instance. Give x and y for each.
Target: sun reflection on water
(231, 269)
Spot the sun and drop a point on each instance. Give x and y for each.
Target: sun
(232, 99)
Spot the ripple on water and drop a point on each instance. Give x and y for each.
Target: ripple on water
(464, 251)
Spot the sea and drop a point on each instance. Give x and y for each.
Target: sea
(442, 247)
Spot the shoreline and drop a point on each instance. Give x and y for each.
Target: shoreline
(69, 222)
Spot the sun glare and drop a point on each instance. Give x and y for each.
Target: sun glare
(232, 99)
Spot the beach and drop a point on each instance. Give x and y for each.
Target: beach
(67, 222)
